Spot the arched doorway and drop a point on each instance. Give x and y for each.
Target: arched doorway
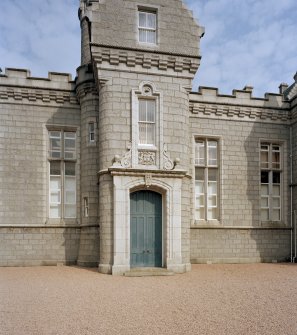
(146, 229)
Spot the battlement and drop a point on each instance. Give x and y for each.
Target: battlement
(239, 97)
(17, 85)
(22, 78)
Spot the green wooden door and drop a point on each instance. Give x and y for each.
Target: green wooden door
(146, 229)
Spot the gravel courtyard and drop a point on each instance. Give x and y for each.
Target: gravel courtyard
(212, 299)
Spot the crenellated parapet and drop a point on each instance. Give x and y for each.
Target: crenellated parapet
(208, 103)
(145, 61)
(17, 85)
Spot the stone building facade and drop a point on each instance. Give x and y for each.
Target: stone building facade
(126, 167)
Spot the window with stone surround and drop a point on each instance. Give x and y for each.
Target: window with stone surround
(271, 181)
(206, 179)
(147, 127)
(91, 132)
(86, 207)
(62, 183)
(147, 26)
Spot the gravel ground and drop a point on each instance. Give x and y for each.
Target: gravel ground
(211, 299)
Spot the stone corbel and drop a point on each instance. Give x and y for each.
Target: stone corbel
(167, 162)
(126, 160)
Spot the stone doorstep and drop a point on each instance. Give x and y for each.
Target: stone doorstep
(146, 272)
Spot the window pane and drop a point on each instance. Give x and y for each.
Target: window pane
(275, 160)
(200, 213)
(276, 190)
(212, 174)
(264, 160)
(55, 187)
(212, 187)
(55, 144)
(264, 156)
(69, 169)
(70, 194)
(151, 36)
(86, 207)
(276, 202)
(150, 110)
(142, 133)
(70, 197)
(276, 215)
(199, 174)
(212, 201)
(142, 110)
(142, 35)
(142, 19)
(264, 202)
(55, 211)
(147, 111)
(70, 211)
(212, 214)
(200, 201)
(69, 145)
(264, 214)
(151, 20)
(150, 133)
(91, 131)
(55, 197)
(276, 177)
(55, 134)
(200, 153)
(55, 168)
(264, 189)
(91, 126)
(199, 187)
(212, 153)
(264, 177)
(70, 184)
(270, 182)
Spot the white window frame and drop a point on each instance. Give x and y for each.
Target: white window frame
(147, 90)
(91, 132)
(86, 206)
(206, 165)
(146, 28)
(146, 123)
(67, 156)
(269, 166)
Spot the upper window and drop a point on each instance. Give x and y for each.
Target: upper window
(91, 131)
(271, 182)
(147, 121)
(147, 26)
(62, 184)
(206, 179)
(62, 145)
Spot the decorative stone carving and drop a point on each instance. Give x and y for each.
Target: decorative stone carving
(116, 161)
(126, 160)
(168, 164)
(148, 179)
(147, 90)
(147, 158)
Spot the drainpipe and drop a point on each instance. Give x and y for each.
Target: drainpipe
(291, 197)
(294, 259)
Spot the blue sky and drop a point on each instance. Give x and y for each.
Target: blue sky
(247, 42)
